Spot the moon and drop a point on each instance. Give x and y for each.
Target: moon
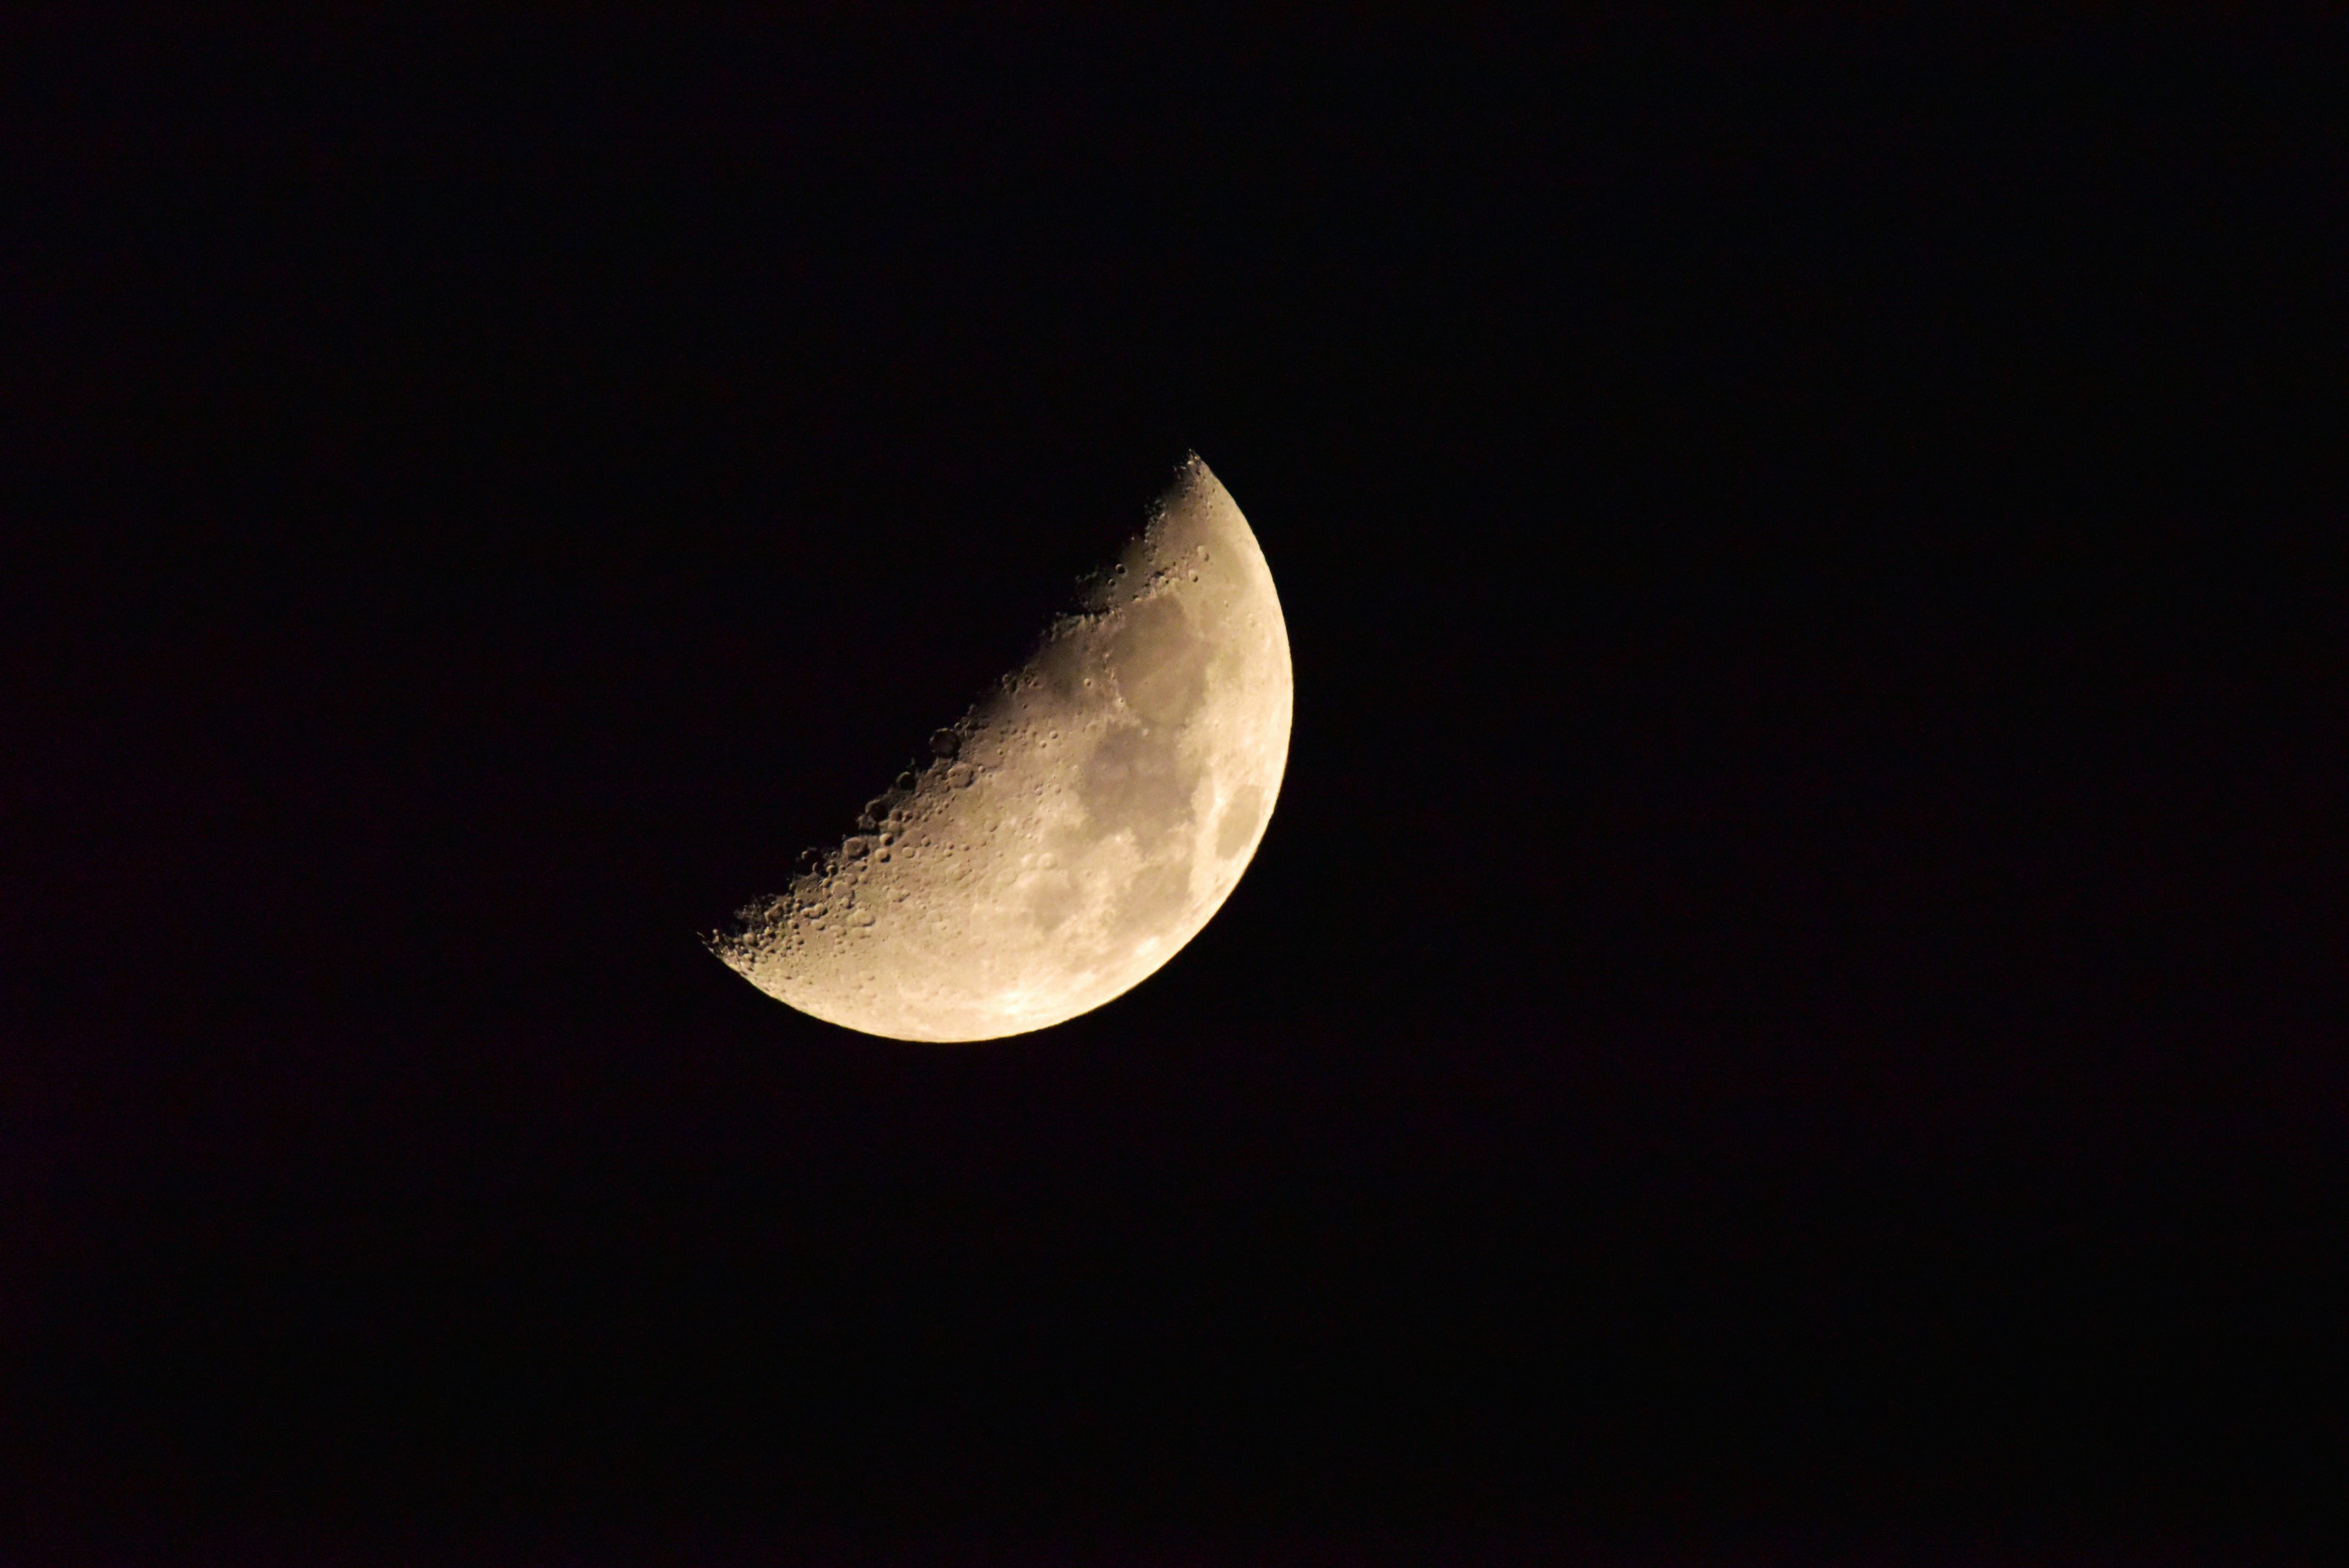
(1076, 827)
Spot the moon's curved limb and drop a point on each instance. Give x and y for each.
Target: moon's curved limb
(1077, 825)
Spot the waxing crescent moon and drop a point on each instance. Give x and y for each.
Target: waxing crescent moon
(1077, 826)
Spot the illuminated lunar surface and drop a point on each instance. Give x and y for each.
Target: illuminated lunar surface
(1077, 826)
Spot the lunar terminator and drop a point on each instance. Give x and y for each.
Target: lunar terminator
(1076, 827)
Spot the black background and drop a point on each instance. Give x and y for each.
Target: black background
(1791, 1007)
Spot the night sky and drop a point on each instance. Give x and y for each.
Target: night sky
(1791, 1009)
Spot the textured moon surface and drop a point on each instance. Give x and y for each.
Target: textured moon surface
(1076, 827)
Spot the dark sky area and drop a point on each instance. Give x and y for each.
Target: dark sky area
(1791, 1011)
